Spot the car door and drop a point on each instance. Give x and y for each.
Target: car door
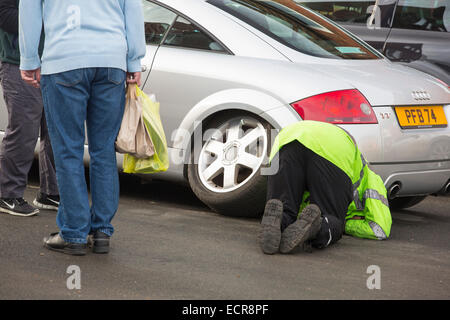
(157, 20)
(370, 20)
(420, 36)
(174, 78)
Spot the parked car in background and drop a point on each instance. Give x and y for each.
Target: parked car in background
(412, 32)
(230, 73)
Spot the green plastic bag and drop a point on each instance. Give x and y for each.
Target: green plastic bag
(152, 120)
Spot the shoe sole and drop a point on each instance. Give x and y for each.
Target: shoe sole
(298, 232)
(270, 234)
(73, 252)
(100, 250)
(19, 214)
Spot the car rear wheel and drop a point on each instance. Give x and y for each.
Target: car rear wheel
(405, 202)
(225, 174)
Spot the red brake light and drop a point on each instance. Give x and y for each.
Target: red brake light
(339, 107)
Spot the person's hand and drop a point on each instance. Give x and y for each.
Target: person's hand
(134, 77)
(32, 77)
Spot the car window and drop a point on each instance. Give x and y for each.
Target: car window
(186, 34)
(157, 22)
(432, 15)
(298, 28)
(352, 11)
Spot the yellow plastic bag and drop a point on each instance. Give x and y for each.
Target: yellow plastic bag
(152, 120)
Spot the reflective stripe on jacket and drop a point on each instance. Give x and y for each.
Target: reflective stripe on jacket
(369, 193)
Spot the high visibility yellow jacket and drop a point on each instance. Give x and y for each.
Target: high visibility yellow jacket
(337, 146)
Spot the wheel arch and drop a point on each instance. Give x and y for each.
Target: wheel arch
(246, 101)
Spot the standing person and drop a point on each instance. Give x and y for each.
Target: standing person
(25, 118)
(322, 175)
(91, 49)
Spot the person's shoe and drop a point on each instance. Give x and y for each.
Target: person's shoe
(56, 243)
(45, 201)
(302, 230)
(100, 242)
(17, 207)
(270, 232)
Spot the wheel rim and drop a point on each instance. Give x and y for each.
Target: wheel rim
(232, 154)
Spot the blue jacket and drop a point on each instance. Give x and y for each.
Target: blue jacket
(81, 34)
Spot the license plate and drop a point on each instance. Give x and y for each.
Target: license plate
(421, 117)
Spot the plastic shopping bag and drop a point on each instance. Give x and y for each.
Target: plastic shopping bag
(133, 137)
(159, 161)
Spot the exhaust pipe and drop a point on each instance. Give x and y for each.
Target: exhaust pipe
(394, 190)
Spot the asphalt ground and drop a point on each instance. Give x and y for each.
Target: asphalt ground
(169, 246)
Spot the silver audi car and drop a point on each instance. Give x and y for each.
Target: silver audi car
(230, 73)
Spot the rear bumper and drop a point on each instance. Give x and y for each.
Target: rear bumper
(415, 178)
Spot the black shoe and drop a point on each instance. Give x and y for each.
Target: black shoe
(302, 230)
(99, 242)
(17, 207)
(270, 233)
(45, 201)
(56, 243)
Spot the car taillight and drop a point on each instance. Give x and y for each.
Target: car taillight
(339, 107)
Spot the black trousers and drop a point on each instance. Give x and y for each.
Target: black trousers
(25, 121)
(330, 188)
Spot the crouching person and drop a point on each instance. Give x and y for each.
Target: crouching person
(323, 188)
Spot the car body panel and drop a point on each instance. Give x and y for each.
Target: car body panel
(147, 62)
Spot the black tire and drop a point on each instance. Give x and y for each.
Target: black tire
(404, 202)
(246, 201)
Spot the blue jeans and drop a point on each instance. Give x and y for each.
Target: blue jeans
(95, 96)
